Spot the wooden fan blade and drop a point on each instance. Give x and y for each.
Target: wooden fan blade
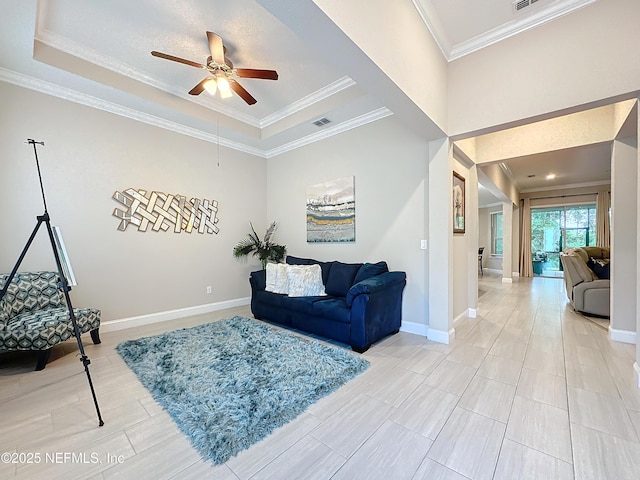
(198, 89)
(253, 73)
(177, 59)
(246, 96)
(216, 48)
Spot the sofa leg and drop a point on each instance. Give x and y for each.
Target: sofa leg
(43, 358)
(360, 349)
(95, 336)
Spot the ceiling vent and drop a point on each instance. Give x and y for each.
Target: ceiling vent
(520, 4)
(322, 122)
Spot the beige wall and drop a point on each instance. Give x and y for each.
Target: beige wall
(390, 169)
(88, 155)
(461, 245)
(546, 69)
(399, 33)
(624, 234)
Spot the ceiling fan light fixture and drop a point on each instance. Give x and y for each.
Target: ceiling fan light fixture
(211, 86)
(221, 72)
(224, 87)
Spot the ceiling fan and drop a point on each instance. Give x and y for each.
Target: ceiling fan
(223, 75)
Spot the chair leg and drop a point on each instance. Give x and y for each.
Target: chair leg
(95, 336)
(43, 358)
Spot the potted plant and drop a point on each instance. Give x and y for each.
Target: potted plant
(263, 249)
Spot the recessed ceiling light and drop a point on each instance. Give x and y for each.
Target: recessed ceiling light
(551, 176)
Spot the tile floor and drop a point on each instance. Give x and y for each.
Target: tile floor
(528, 390)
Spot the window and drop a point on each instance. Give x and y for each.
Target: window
(555, 228)
(496, 233)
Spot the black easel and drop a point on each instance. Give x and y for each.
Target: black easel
(63, 283)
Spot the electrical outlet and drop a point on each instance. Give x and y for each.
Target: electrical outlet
(423, 244)
(209, 289)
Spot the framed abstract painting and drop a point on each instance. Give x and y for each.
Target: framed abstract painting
(458, 203)
(331, 213)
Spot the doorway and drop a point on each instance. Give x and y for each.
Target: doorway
(554, 229)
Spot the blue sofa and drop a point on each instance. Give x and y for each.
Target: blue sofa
(363, 303)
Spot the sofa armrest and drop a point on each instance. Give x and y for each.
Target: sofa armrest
(592, 297)
(258, 280)
(376, 308)
(375, 284)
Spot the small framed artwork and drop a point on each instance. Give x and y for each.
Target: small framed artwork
(458, 203)
(64, 257)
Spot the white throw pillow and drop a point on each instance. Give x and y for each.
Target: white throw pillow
(272, 269)
(305, 280)
(282, 283)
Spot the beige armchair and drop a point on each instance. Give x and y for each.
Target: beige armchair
(587, 293)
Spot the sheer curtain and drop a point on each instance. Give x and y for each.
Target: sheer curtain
(603, 237)
(526, 267)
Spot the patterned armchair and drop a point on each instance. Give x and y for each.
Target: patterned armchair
(34, 315)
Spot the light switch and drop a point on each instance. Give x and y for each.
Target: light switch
(423, 244)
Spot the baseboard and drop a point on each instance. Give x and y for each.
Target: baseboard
(415, 328)
(441, 336)
(464, 314)
(515, 274)
(636, 367)
(130, 322)
(624, 336)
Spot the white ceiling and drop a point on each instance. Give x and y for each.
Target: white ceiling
(589, 164)
(98, 53)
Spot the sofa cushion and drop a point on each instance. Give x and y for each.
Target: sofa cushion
(600, 267)
(369, 270)
(333, 308)
(305, 280)
(31, 292)
(258, 279)
(44, 329)
(578, 252)
(341, 278)
(300, 304)
(596, 252)
(324, 266)
(584, 272)
(269, 298)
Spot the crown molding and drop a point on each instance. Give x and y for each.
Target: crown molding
(331, 131)
(540, 17)
(434, 25)
(64, 93)
(533, 19)
(308, 101)
(569, 185)
(48, 88)
(507, 171)
(63, 44)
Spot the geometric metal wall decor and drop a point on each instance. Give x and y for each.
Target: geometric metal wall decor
(162, 211)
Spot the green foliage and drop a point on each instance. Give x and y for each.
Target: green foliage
(264, 249)
(556, 228)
